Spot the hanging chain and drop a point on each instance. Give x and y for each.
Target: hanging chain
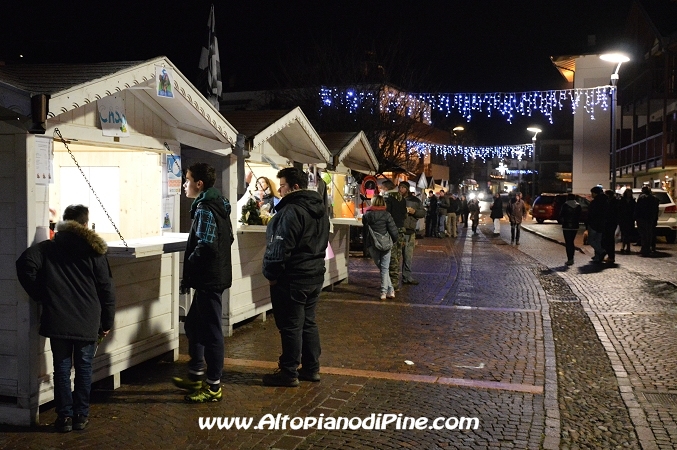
(63, 141)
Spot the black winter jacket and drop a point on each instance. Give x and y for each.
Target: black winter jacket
(497, 208)
(396, 205)
(207, 261)
(379, 220)
(597, 212)
(297, 238)
(570, 215)
(71, 278)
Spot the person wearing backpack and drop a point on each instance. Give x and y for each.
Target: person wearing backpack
(378, 226)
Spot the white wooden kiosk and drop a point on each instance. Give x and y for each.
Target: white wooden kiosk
(350, 152)
(273, 140)
(130, 175)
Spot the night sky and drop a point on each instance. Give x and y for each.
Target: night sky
(452, 46)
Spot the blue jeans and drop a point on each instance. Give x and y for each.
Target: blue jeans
(205, 335)
(66, 353)
(382, 261)
(294, 311)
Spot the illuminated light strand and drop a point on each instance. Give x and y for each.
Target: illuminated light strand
(507, 104)
(470, 152)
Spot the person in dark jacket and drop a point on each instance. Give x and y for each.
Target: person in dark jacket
(452, 216)
(497, 213)
(415, 211)
(296, 244)
(396, 205)
(380, 221)
(626, 219)
(570, 216)
(464, 211)
(443, 204)
(207, 270)
(597, 212)
(71, 278)
(431, 214)
(474, 213)
(646, 216)
(611, 223)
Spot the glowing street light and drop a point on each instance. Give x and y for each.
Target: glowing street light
(616, 58)
(534, 130)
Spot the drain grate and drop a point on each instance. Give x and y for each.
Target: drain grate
(661, 399)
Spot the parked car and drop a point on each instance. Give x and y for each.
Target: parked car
(548, 205)
(667, 214)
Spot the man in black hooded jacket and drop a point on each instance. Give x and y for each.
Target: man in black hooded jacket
(297, 238)
(71, 278)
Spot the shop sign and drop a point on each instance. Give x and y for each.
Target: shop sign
(44, 161)
(112, 116)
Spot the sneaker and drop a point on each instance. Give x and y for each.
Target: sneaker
(278, 378)
(517, 242)
(390, 294)
(570, 262)
(80, 422)
(383, 296)
(412, 281)
(64, 424)
(204, 395)
(309, 376)
(187, 384)
(512, 241)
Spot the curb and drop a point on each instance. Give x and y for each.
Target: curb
(546, 237)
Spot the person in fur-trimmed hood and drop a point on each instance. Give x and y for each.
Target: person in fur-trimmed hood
(71, 279)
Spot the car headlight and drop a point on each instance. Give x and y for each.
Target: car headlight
(480, 195)
(471, 196)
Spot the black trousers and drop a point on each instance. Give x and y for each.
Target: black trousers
(569, 236)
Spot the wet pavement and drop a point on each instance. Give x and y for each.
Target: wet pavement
(542, 354)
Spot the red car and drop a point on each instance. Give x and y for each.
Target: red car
(548, 206)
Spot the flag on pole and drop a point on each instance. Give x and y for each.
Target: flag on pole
(211, 66)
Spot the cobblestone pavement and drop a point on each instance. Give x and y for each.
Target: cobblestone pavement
(542, 356)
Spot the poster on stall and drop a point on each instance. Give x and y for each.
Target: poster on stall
(44, 163)
(164, 80)
(112, 116)
(167, 212)
(174, 175)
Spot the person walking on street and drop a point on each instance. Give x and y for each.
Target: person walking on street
(596, 222)
(609, 234)
(497, 213)
(464, 211)
(70, 277)
(379, 221)
(474, 214)
(517, 211)
(452, 216)
(396, 205)
(207, 270)
(415, 211)
(646, 216)
(442, 209)
(296, 244)
(431, 215)
(570, 216)
(626, 220)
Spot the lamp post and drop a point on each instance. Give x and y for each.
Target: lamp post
(534, 130)
(616, 58)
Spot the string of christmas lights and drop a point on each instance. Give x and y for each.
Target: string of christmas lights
(470, 152)
(507, 104)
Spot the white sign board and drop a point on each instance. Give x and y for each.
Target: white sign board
(44, 168)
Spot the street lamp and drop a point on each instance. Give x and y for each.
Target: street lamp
(534, 130)
(616, 58)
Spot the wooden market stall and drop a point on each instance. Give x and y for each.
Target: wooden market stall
(351, 152)
(273, 140)
(119, 128)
